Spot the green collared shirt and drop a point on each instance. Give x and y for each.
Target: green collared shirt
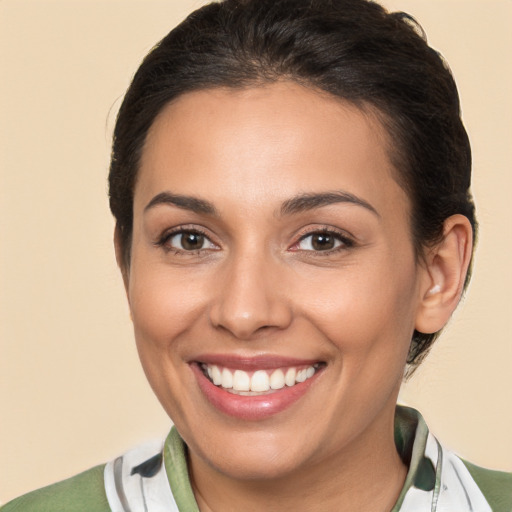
(152, 479)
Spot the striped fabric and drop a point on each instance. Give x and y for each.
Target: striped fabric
(154, 478)
(437, 481)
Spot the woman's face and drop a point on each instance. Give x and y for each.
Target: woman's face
(272, 250)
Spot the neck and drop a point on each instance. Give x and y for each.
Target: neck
(368, 476)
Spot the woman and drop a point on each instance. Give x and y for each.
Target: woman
(290, 182)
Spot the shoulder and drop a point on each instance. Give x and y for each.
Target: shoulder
(82, 493)
(496, 486)
(438, 479)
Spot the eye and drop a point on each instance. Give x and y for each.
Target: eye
(187, 241)
(322, 241)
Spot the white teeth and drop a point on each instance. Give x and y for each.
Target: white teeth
(289, 378)
(277, 380)
(227, 379)
(261, 381)
(216, 375)
(301, 376)
(241, 381)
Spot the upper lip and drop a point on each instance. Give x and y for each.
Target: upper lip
(248, 363)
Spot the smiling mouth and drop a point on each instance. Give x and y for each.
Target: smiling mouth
(260, 381)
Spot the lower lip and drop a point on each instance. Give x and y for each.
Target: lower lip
(251, 408)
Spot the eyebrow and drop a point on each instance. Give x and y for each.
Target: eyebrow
(297, 204)
(310, 201)
(190, 203)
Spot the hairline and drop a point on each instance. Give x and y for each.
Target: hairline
(375, 113)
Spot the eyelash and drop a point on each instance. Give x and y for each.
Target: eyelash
(165, 238)
(345, 242)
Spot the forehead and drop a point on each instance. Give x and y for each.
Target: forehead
(265, 144)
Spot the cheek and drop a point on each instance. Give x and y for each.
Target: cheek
(369, 312)
(163, 304)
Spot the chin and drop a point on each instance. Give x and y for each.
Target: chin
(255, 465)
(258, 455)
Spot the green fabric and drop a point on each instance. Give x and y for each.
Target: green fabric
(411, 434)
(82, 493)
(85, 492)
(410, 439)
(496, 486)
(175, 460)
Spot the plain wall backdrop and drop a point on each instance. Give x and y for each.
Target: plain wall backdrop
(72, 392)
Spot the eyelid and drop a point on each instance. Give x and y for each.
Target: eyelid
(346, 239)
(168, 234)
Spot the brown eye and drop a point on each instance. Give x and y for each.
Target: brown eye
(188, 241)
(192, 241)
(322, 242)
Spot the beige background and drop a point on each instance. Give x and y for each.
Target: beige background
(72, 394)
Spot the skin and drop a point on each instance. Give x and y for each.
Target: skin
(258, 287)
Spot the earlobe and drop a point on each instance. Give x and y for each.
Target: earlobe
(446, 267)
(435, 289)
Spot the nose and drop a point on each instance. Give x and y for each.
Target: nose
(250, 298)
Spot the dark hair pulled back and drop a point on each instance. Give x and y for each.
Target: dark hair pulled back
(352, 49)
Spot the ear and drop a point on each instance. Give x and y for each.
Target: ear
(446, 268)
(120, 259)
